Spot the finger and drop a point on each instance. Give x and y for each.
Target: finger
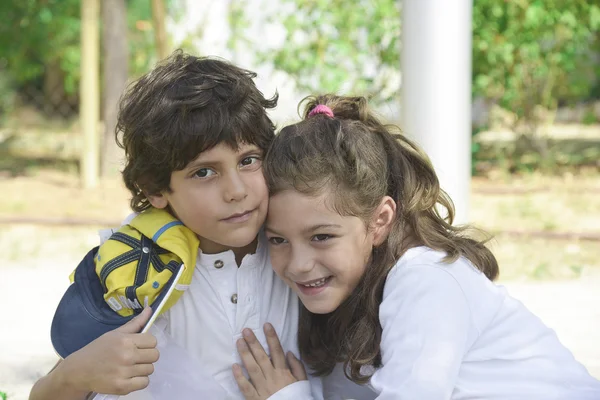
(259, 353)
(144, 340)
(142, 370)
(146, 356)
(243, 383)
(254, 370)
(297, 367)
(136, 324)
(277, 354)
(127, 386)
(137, 383)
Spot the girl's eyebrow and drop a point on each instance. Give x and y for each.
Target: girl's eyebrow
(309, 229)
(271, 230)
(317, 227)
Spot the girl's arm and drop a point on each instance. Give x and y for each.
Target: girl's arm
(427, 329)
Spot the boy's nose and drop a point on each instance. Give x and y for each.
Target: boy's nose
(235, 189)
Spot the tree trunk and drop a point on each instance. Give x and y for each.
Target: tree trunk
(160, 32)
(54, 90)
(114, 37)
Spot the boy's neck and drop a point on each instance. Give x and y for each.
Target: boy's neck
(209, 247)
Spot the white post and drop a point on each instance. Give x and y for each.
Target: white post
(436, 89)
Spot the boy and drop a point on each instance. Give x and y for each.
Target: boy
(194, 133)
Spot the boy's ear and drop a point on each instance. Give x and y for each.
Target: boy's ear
(383, 219)
(158, 200)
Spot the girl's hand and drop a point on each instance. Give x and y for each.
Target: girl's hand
(267, 376)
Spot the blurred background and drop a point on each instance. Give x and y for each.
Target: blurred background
(532, 147)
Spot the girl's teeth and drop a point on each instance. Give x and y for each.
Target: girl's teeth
(318, 283)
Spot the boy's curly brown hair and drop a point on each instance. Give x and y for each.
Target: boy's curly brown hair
(184, 106)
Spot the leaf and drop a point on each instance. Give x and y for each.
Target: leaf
(45, 15)
(595, 18)
(568, 19)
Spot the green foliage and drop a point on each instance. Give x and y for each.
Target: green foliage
(562, 156)
(238, 24)
(35, 33)
(529, 55)
(142, 52)
(6, 96)
(589, 118)
(332, 43)
(534, 52)
(38, 33)
(525, 52)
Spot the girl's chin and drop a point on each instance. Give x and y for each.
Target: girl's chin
(320, 307)
(320, 310)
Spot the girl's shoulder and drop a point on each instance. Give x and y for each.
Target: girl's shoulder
(422, 272)
(426, 261)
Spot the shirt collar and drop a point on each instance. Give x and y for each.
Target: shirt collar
(228, 257)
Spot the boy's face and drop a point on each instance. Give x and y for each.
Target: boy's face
(221, 196)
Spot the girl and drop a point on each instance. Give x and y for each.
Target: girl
(394, 296)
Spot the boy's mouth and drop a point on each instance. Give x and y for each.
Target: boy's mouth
(239, 217)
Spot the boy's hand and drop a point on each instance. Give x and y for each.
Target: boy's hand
(118, 362)
(267, 376)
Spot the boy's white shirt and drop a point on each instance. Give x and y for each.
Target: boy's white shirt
(203, 326)
(450, 333)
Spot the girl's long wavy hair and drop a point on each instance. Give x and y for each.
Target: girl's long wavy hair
(360, 160)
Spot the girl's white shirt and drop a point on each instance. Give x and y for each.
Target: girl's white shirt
(450, 333)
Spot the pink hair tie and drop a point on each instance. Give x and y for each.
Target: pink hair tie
(321, 109)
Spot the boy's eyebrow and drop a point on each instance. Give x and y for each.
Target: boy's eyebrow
(201, 163)
(250, 151)
(197, 163)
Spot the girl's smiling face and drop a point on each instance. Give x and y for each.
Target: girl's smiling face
(319, 253)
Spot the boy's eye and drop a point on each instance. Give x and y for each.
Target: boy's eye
(321, 237)
(276, 240)
(204, 173)
(249, 160)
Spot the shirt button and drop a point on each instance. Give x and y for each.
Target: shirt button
(219, 264)
(234, 298)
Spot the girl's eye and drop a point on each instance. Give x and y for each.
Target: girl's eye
(249, 160)
(276, 240)
(204, 173)
(321, 237)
